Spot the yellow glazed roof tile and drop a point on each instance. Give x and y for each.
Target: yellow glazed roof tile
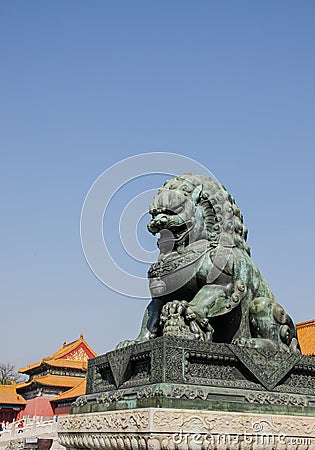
(9, 396)
(52, 380)
(306, 337)
(74, 392)
(66, 356)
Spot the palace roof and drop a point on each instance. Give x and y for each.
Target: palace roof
(70, 356)
(51, 380)
(306, 337)
(9, 396)
(72, 393)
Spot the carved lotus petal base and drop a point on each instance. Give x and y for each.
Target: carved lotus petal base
(183, 429)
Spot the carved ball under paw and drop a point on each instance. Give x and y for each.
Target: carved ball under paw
(173, 321)
(171, 309)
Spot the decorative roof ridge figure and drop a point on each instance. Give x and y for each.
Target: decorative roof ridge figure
(205, 285)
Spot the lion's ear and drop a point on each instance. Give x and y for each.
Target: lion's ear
(196, 193)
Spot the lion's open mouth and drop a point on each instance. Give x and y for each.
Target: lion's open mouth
(172, 237)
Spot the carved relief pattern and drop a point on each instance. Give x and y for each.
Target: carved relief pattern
(268, 398)
(157, 364)
(232, 422)
(173, 368)
(200, 365)
(213, 371)
(268, 370)
(113, 421)
(302, 381)
(78, 355)
(119, 361)
(161, 429)
(191, 393)
(209, 367)
(162, 268)
(90, 379)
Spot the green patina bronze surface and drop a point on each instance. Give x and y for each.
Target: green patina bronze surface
(205, 286)
(213, 337)
(173, 372)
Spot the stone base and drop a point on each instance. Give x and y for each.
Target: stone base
(182, 374)
(179, 429)
(178, 394)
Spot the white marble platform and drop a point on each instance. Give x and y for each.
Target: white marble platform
(182, 429)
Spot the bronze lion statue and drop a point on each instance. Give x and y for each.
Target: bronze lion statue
(204, 284)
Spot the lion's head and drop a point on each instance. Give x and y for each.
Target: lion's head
(192, 207)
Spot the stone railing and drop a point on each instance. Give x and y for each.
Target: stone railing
(28, 428)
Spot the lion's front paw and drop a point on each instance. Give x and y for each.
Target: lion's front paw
(174, 308)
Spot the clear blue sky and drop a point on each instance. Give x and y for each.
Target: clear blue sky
(86, 84)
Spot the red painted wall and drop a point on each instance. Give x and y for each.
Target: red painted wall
(38, 406)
